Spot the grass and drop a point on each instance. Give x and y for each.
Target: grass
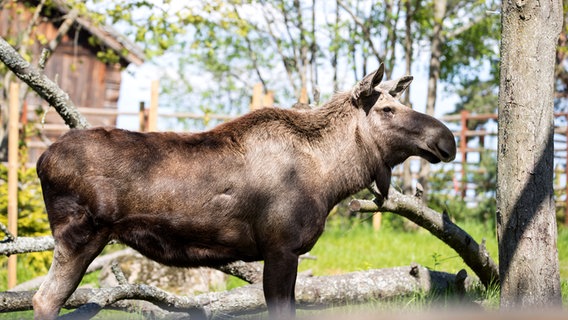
(355, 247)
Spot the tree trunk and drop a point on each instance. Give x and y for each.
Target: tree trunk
(440, 7)
(408, 52)
(526, 221)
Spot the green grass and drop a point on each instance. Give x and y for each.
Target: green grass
(347, 248)
(358, 247)
(562, 245)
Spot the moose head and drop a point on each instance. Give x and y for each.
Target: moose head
(398, 131)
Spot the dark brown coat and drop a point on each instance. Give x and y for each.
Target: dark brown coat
(256, 188)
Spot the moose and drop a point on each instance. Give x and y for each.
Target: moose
(259, 187)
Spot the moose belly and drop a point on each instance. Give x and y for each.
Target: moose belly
(187, 242)
(201, 223)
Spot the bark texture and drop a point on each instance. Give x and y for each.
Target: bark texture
(526, 219)
(26, 245)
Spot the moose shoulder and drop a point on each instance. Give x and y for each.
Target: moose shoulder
(256, 188)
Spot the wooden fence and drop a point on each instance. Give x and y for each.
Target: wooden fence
(478, 137)
(471, 145)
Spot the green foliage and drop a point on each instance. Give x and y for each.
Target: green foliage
(32, 220)
(469, 41)
(477, 96)
(456, 206)
(155, 25)
(108, 56)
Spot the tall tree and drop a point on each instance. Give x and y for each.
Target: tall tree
(526, 221)
(453, 23)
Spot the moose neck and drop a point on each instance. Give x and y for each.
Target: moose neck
(349, 159)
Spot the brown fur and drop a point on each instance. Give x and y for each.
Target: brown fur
(256, 188)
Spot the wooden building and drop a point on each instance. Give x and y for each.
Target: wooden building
(75, 40)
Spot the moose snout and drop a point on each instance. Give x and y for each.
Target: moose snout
(447, 148)
(440, 145)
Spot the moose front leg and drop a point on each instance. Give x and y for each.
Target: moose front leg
(279, 282)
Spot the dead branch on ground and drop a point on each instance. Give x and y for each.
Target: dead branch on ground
(350, 288)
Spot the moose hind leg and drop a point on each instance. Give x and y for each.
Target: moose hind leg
(65, 273)
(71, 257)
(279, 283)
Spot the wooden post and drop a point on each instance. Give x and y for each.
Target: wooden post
(261, 99)
(153, 113)
(268, 100)
(13, 132)
(142, 117)
(463, 150)
(303, 96)
(377, 220)
(256, 102)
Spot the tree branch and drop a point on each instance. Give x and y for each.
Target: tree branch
(250, 272)
(41, 84)
(9, 236)
(456, 32)
(365, 29)
(473, 254)
(26, 245)
(279, 48)
(63, 29)
(97, 264)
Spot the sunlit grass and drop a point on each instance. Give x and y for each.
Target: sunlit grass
(358, 247)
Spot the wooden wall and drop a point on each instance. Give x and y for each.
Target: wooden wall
(75, 67)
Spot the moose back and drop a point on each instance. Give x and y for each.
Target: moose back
(256, 188)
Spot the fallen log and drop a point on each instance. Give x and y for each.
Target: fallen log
(21, 245)
(311, 292)
(96, 265)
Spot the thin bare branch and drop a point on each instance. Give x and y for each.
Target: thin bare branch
(364, 28)
(63, 29)
(269, 20)
(456, 32)
(9, 237)
(97, 264)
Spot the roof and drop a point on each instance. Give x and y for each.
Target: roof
(111, 38)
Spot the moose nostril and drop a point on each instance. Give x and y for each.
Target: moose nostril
(447, 149)
(444, 154)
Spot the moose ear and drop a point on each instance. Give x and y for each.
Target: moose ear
(396, 87)
(366, 87)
